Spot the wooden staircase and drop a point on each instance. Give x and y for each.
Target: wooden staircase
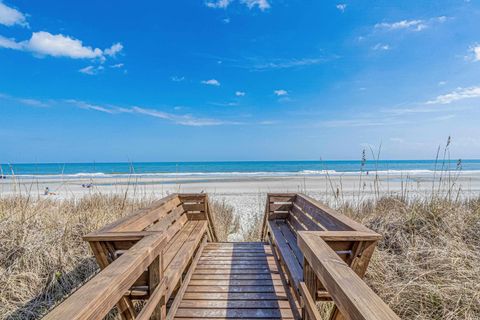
(165, 262)
(237, 280)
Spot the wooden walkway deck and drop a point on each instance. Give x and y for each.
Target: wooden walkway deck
(237, 280)
(165, 262)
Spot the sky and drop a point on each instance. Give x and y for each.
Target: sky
(211, 80)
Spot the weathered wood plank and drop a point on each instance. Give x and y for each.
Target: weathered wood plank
(292, 241)
(234, 296)
(95, 299)
(179, 296)
(154, 307)
(233, 271)
(293, 267)
(309, 307)
(309, 223)
(229, 288)
(235, 313)
(236, 304)
(231, 282)
(185, 253)
(265, 276)
(351, 295)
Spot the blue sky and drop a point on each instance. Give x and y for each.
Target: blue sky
(237, 79)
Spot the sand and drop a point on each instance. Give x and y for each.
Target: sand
(246, 194)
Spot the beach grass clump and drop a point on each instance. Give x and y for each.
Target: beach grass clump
(427, 266)
(42, 254)
(225, 220)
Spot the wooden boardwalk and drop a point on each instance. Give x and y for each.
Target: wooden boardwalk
(165, 262)
(236, 280)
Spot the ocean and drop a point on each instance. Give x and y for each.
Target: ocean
(233, 168)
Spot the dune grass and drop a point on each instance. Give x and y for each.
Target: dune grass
(42, 254)
(427, 266)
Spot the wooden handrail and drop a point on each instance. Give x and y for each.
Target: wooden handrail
(310, 311)
(98, 296)
(355, 300)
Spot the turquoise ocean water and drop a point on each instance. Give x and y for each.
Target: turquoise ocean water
(240, 168)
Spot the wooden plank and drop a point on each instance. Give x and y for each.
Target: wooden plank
(292, 241)
(116, 236)
(155, 275)
(282, 206)
(233, 271)
(352, 296)
(177, 242)
(237, 267)
(295, 224)
(303, 218)
(179, 296)
(308, 304)
(149, 310)
(237, 254)
(238, 249)
(95, 299)
(229, 288)
(236, 304)
(293, 267)
(215, 259)
(179, 263)
(231, 282)
(142, 219)
(165, 222)
(234, 296)
(255, 263)
(235, 313)
(347, 235)
(332, 220)
(231, 277)
(194, 207)
(236, 244)
(124, 305)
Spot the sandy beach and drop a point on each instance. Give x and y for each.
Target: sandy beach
(246, 194)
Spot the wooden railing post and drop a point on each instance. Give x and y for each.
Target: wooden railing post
(155, 275)
(353, 298)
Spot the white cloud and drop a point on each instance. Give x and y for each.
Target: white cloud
(91, 70)
(411, 25)
(177, 78)
(117, 66)
(442, 83)
(416, 25)
(218, 4)
(211, 82)
(240, 93)
(223, 4)
(476, 52)
(226, 20)
(26, 101)
(113, 50)
(288, 63)
(9, 43)
(181, 119)
(261, 4)
(459, 94)
(280, 92)
(381, 46)
(341, 7)
(43, 43)
(10, 16)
